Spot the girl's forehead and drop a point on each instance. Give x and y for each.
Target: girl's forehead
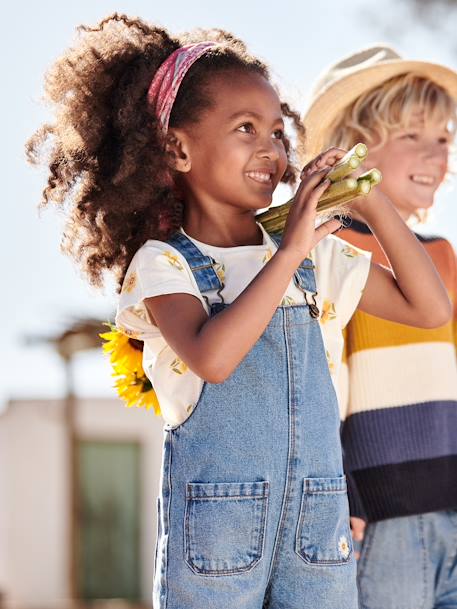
(244, 92)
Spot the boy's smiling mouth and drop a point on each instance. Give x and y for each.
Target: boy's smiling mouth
(420, 178)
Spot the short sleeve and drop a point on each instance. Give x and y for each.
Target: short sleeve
(156, 269)
(341, 275)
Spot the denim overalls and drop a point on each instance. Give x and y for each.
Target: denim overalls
(253, 508)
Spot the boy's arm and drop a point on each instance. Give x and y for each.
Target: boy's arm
(412, 293)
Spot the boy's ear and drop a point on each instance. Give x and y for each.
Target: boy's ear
(177, 150)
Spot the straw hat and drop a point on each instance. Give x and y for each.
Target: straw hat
(344, 82)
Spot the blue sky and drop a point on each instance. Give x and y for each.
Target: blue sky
(42, 289)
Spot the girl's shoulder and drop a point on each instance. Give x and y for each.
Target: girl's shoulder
(156, 268)
(160, 255)
(334, 249)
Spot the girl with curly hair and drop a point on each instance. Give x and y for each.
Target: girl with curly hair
(163, 150)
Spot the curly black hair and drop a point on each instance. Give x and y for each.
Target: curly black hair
(106, 143)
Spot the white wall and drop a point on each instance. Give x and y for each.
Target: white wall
(34, 514)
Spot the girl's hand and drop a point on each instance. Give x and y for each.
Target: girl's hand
(325, 160)
(300, 235)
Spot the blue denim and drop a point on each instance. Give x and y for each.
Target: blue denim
(253, 509)
(410, 563)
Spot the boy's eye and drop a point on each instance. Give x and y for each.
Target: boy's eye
(409, 136)
(246, 128)
(279, 134)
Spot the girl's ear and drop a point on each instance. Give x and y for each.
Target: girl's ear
(177, 150)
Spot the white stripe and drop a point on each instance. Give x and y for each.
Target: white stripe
(397, 376)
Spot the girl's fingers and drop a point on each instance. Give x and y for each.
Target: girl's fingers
(325, 229)
(324, 159)
(312, 166)
(312, 188)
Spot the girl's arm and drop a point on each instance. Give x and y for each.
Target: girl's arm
(213, 347)
(412, 293)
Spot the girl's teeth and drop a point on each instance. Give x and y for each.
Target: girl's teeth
(260, 177)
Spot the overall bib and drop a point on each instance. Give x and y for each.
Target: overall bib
(253, 510)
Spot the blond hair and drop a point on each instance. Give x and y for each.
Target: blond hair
(387, 107)
(390, 106)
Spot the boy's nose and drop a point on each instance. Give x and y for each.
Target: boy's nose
(434, 153)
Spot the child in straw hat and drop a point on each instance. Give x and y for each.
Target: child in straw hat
(399, 396)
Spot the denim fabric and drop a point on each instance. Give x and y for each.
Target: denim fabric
(253, 506)
(410, 563)
(200, 265)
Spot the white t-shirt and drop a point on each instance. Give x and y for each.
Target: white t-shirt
(341, 271)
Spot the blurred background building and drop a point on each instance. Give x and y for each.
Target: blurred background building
(79, 472)
(77, 479)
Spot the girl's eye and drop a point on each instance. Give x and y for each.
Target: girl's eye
(246, 128)
(279, 134)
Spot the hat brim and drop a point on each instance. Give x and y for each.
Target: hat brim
(331, 101)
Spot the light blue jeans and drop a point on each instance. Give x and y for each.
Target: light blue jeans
(410, 563)
(253, 509)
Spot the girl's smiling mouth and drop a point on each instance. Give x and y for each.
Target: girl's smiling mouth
(262, 177)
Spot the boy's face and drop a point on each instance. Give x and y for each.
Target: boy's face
(413, 162)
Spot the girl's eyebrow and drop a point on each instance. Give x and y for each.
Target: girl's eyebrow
(255, 115)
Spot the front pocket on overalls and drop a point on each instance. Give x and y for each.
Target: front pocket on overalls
(225, 526)
(323, 533)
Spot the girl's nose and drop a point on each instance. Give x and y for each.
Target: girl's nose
(268, 149)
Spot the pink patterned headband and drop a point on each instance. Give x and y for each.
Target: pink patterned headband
(165, 84)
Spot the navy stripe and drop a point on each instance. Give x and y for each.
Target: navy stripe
(429, 238)
(405, 489)
(395, 435)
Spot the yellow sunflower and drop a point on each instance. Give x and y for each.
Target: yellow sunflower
(131, 382)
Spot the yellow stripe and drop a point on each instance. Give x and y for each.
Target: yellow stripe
(369, 332)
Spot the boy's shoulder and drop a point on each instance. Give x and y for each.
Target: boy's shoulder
(432, 238)
(441, 251)
(436, 243)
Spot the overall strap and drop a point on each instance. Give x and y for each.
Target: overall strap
(201, 266)
(304, 279)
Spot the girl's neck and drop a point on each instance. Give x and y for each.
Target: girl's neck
(228, 229)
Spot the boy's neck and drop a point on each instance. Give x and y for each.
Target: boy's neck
(404, 215)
